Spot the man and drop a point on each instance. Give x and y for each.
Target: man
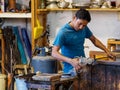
(70, 40)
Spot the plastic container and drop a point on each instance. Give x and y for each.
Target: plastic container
(2, 82)
(20, 84)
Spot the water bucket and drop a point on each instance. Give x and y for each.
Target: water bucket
(2, 82)
(21, 84)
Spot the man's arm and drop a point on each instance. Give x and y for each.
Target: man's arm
(100, 45)
(56, 54)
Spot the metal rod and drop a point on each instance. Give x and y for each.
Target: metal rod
(101, 57)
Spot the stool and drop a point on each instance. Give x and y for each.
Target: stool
(23, 67)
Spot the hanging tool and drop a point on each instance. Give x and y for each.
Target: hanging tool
(38, 30)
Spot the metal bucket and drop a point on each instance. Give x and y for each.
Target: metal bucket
(44, 64)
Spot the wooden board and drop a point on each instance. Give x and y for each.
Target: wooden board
(47, 77)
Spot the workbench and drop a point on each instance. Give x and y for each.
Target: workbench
(104, 75)
(53, 85)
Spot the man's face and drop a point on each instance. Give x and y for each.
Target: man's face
(79, 24)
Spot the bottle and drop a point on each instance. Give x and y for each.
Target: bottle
(113, 3)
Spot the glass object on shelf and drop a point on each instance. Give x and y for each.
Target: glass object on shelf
(42, 5)
(52, 5)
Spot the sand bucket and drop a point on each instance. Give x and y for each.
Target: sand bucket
(2, 82)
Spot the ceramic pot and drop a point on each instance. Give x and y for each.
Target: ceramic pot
(63, 4)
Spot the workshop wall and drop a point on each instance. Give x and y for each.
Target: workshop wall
(104, 25)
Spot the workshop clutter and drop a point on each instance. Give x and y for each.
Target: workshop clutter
(17, 46)
(42, 51)
(17, 38)
(14, 6)
(16, 50)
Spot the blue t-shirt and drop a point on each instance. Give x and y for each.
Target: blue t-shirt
(71, 43)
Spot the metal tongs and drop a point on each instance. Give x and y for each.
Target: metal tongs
(89, 61)
(84, 61)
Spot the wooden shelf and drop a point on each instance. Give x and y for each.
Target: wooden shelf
(106, 9)
(15, 15)
(74, 9)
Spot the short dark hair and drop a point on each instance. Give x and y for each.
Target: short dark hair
(83, 14)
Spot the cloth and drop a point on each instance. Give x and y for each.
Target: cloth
(71, 43)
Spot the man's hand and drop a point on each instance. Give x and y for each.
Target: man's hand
(75, 64)
(111, 55)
